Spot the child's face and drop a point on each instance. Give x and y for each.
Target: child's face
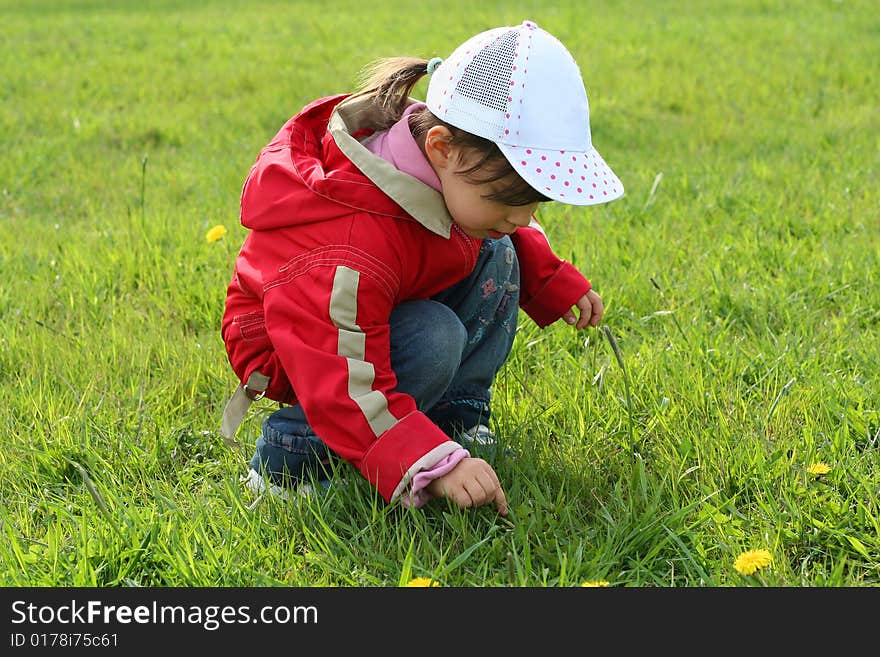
(478, 216)
(467, 203)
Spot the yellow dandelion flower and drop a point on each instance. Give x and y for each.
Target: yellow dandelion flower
(819, 468)
(598, 582)
(422, 581)
(216, 233)
(748, 562)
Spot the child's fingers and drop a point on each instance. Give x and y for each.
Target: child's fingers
(480, 490)
(586, 311)
(589, 307)
(462, 498)
(501, 501)
(597, 309)
(494, 492)
(478, 486)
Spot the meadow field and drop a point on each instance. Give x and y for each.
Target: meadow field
(729, 402)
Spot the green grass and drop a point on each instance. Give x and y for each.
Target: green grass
(738, 274)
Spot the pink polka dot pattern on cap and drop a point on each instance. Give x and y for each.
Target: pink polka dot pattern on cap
(489, 86)
(545, 171)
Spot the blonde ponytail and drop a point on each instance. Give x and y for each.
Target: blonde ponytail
(389, 82)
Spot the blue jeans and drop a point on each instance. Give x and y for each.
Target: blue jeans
(445, 352)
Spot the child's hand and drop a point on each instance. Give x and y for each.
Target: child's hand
(472, 482)
(590, 307)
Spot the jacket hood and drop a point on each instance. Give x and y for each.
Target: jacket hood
(315, 169)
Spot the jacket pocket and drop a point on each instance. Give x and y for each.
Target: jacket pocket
(251, 326)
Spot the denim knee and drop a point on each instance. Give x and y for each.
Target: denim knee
(427, 342)
(287, 449)
(443, 339)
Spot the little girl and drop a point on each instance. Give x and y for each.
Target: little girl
(391, 244)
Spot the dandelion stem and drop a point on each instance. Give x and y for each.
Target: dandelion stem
(95, 494)
(610, 337)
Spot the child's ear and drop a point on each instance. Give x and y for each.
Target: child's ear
(438, 146)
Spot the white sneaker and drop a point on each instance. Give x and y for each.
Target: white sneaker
(257, 485)
(477, 435)
(480, 440)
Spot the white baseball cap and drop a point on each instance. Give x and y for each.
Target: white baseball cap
(520, 88)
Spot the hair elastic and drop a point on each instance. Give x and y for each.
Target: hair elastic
(433, 64)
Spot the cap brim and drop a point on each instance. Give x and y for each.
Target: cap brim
(572, 177)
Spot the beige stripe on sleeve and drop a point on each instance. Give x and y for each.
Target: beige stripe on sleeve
(352, 346)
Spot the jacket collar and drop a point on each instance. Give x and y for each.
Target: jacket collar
(424, 204)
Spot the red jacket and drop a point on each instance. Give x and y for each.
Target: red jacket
(328, 256)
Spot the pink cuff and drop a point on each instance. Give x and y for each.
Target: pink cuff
(418, 494)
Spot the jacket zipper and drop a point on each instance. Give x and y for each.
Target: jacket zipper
(471, 244)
